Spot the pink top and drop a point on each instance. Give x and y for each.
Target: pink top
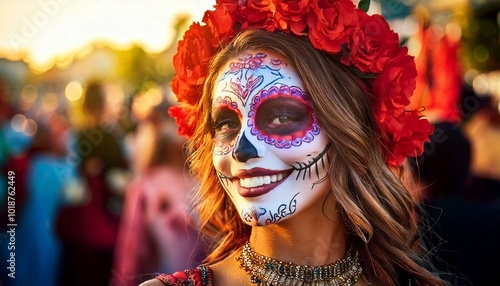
(155, 234)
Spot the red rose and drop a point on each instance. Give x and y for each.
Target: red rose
(290, 15)
(409, 132)
(331, 23)
(222, 21)
(184, 92)
(394, 85)
(193, 55)
(185, 118)
(372, 45)
(257, 14)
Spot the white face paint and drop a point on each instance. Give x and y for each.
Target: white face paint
(270, 153)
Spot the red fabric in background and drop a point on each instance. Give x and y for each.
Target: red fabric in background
(89, 224)
(439, 72)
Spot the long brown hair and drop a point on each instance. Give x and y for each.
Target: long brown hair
(376, 208)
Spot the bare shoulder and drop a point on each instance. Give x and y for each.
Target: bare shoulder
(228, 272)
(152, 282)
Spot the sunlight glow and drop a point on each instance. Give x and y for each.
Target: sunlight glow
(44, 32)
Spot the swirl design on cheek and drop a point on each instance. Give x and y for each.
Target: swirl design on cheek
(223, 179)
(253, 214)
(283, 211)
(221, 148)
(308, 124)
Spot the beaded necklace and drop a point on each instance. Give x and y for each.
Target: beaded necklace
(266, 271)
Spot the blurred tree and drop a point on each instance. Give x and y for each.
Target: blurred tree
(134, 66)
(481, 37)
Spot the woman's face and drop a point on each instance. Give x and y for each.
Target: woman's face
(269, 152)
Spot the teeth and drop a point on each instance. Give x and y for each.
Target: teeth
(255, 181)
(267, 180)
(260, 181)
(273, 178)
(246, 182)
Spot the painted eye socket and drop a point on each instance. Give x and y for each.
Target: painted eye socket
(283, 116)
(226, 124)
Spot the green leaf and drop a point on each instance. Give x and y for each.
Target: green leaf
(364, 5)
(362, 75)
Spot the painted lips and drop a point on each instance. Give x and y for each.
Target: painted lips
(258, 181)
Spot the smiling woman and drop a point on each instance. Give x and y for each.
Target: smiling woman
(299, 128)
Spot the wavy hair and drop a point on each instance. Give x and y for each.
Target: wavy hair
(378, 211)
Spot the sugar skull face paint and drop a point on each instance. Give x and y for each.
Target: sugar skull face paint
(269, 151)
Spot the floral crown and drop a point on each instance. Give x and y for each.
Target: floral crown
(363, 42)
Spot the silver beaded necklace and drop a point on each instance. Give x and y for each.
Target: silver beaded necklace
(266, 271)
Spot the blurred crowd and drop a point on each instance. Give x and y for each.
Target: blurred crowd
(458, 174)
(107, 201)
(98, 205)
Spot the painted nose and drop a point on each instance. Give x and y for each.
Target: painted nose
(244, 151)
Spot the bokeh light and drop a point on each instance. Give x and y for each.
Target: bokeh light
(481, 53)
(30, 127)
(145, 101)
(29, 93)
(153, 96)
(50, 102)
(73, 91)
(481, 85)
(17, 122)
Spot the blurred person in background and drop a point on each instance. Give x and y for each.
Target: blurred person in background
(458, 223)
(89, 229)
(155, 233)
(4, 121)
(483, 129)
(439, 70)
(14, 146)
(444, 170)
(439, 93)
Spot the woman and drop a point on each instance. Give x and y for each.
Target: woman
(155, 233)
(298, 146)
(88, 246)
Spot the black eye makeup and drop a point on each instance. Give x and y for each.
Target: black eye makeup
(283, 116)
(226, 124)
